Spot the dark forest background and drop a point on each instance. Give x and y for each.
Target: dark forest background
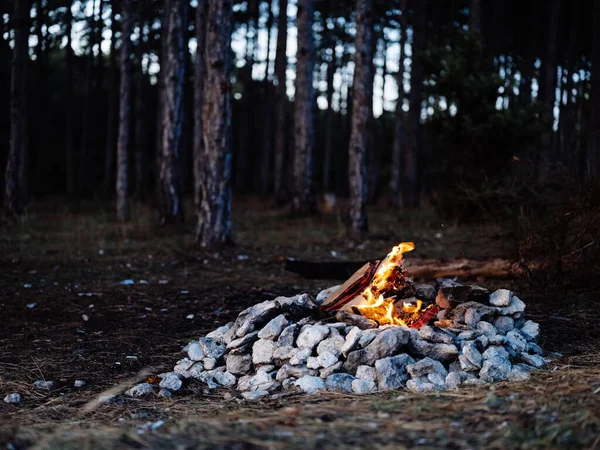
(479, 106)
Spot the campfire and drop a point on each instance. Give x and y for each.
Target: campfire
(377, 331)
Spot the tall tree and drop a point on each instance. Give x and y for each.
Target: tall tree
(113, 106)
(281, 188)
(399, 142)
(304, 200)
(361, 112)
(594, 148)
(123, 210)
(214, 218)
(69, 117)
(331, 68)
(141, 136)
(171, 207)
(18, 108)
(200, 65)
(409, 192)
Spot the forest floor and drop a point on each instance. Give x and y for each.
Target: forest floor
(54, 258)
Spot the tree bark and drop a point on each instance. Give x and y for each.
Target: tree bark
(18, 108)
(410, 191)
(399, 129)
(280, 188)
(200, 67)
(331, 68)
(594, 151)
(141, 139)
(123, 210)
(304, 200)
(214, 218)
(361, 111)
(69, 128)
(171, 207)
(111, 121)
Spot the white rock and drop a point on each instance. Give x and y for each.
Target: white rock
(273, 328)
(79, 383)
(472, 316)
(311, 335)
(14, 397)
(487, 328)
(366, 373)
(351, 341)
(437, 379)
(420, 385)
(311, 385)
(339, 382)
(367, 336)
(211, 347)
(530, 330)
(453, 380)
(183, 365)
(361, 386)
(313, 362)
(473, 355)
(225, 379)
(533, 360)
(435, 335)
(501, 297)
(45, 384)
(255, 395)
(262, 351)
(165, 393)
(209, 363)
(327, 359)
(426, 366)
(244, 340)
(300, 357)
(218, 334)
(516, 306)
(333, 345)
(140, 390)
(325, 372)
(391, 371)
(516, 340)
(519, 372)
(171, 381)
(321, 296)
(195, 352)
(283, 354)
(504, 324)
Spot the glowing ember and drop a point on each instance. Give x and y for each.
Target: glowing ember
(379, 297)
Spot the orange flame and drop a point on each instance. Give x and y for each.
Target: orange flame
(383, 310)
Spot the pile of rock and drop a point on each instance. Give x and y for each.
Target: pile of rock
(280, 345)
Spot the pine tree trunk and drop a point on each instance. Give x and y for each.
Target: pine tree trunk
(280, 187)
(200, 67)
(214, 218)
(594, 148)
(266, 156)
(113, 110)
(361, 112)
(410, 192)
(69, 128)
(123, 210)
(141, 140)
(399, 129)
(304, 199)
(18, 108)
(171, 207)
(327, 158)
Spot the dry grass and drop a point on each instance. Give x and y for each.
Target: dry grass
(559, 407)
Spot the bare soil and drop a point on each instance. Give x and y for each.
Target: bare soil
(81, 323)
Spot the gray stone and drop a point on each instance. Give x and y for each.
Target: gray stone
(262, 351)
(367, 336)
(339, 382)
(195, 352)
(504, 324)
(495, 351)
(253, 396)
(458, 313)
(287, 371)
(183, 365)
(519, 372)
(366, 373)
(243, 341)
(14, 398)
(436, 335)
(445, 282)
(322, 296)
(238, 363)
(501, 297)
(487, 328)
(355, 319)
(267, 368)
(283, 354)
(327, 359)
(297, 305)
(426, 366)
(391, 371)
(209, 363)
(165, 393)
(325, 372)
(255, 316)
(532, 360)
(140, 390)
(469, 335)
(449, 296)
(289, 384)
(483, 341)
(171, 381)
(45, 384)
(386, 343)
(532, 347)
(441, 352)
(79, 383)
(472, 354)
(226, 379)
(219, 333)
(466, 365)
(311, 335)
(196, 372)
(351, 341)
(273, 328)
(212, 348)
(288, 335)
(516, 306)
(475, 382)
(425, 292)
(300, 356)
(259, 381)
(516, 340)
(438, 380)
(333, 345)
(495, 369)
(313, 362)
(310, 384)
(420, 385)
(498, 339)
(454, 380)
(472, 316)
(361, 386)
(530, 330)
